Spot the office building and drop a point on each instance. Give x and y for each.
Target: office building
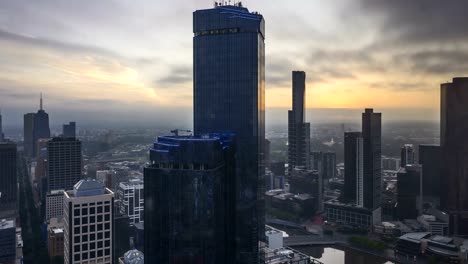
(105, 177)
(7, 241)
(354, 168)
(88, 223)
(63, 163)
(372, 143)
(55, 241)
(454, 143)
(303, 181)
(407, 155)
(189, 200)
(131, 198)
(8, 179)
(229, 97)
(41, 127)
(28, 134)
(118, 175)
(2, 135)
(409, 189)
(122, 232)
(69, 130)
(325, 163)
(430, 158)
(392, 164)
(298, 129)
(54, 204)
(351, 215)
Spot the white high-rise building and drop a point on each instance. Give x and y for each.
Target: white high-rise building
(88, 226)
(132, 199)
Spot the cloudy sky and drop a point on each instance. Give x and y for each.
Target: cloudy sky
(132, 59)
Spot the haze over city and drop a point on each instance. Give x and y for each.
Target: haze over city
(119, 60)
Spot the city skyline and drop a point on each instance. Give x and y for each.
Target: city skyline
(142, 73)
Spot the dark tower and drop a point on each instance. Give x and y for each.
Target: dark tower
(29, 134)
(407, 155)
(371, 134)
(353, 159)
(189, 200)
(430, 159)
(41, 127)
(8, 182)
(298, 130)
(63, 163)
(229, 97)
(454, 143)
(69, 130)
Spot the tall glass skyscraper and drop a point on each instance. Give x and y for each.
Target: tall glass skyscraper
(41, 127)
(298, 129)
(372, 146)
(354, 160)
(454, 143)
(229, 97)
(189, 200)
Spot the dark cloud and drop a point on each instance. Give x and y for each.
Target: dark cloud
(421, 21)
(446, 62)
(399, 86)
(176, 75)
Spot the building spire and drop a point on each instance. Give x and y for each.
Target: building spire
(40, 106)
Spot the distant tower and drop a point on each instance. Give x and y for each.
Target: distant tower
(407, 155)
(354, 168)
(2, 136)
(41, 127)
(298, 129)
(88, 224)
(69, 130)
(454, 143)
(29, 134)
(372, 146)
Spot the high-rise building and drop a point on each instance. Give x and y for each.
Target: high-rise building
(131, 198)
(229, 97)
(372, 143)
(2, 136)
(54, 204)
(8, 182)
(354, 168)
(409, 190)
(303, 181)
(28, 134)
(391, 163)
(69, 130)
(430, 158)
(41, 127)
(7, 241)
(63, 163)
(88, 223)
(298, 129)
(407, 155)
(454, 143)
(189, 200)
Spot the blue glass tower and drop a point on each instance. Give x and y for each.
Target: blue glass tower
(189, 202)
(229, 97)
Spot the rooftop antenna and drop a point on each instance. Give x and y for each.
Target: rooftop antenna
(40, 105)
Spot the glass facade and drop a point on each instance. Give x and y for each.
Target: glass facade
(189, 202)
(229, 97)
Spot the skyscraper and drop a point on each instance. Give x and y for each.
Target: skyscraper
(354, 168)
(409, 191)
(372, 141)
(8, 182)
(88, 223)
(430, 158)
(298, 130)
(229, 97)
(131, 198)
(2, 136)
(454, 143)
(69, 130)
(41, 127)
(189, 200)
(407, 155)
(29, 134)
(64, 163)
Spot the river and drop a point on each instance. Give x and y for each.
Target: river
(329, 255)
